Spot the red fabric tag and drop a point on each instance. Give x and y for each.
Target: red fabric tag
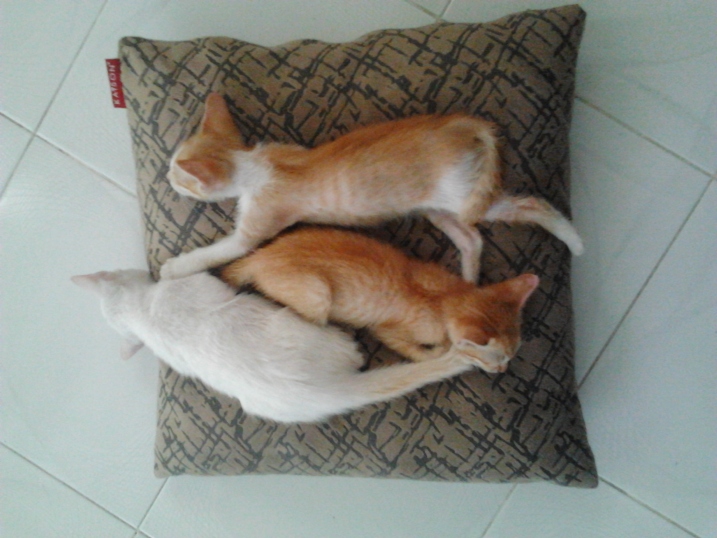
(113, 73)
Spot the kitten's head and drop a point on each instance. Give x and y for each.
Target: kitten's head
(203, 165)
(116, 290)
(422, 337)
(485, 325)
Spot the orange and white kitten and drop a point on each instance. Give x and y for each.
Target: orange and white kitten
(419, 309)
(444, 167)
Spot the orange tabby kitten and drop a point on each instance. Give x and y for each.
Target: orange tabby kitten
(444, 167)
(419, 309)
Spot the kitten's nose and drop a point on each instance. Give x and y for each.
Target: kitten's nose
(502, 367)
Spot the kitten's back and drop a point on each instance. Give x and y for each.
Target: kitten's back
(417, 308)
(328, 273)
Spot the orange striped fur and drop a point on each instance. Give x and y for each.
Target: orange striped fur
(444, 167)
(419, 309)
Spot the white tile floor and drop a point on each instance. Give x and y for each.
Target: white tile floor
(77, 423)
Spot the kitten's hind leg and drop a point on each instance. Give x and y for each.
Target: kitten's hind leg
(533, 210)
(466, 238)
(307, 294)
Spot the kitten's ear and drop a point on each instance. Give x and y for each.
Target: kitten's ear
(212, 174)
(217, 119)
(522, 287)
(93, 282)
(129, 347)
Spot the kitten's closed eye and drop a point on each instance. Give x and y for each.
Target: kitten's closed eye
(427, 347)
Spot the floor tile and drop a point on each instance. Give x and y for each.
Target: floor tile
(35, 504)
(655, 68)
(650, 401)
(547, 511)
(39, 40)
(635, 60)
(100, 136)
(13, 140)
(436, 7)
(629, 200)
(70, 405)
(316, 507)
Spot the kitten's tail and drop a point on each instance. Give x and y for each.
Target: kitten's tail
(531, 210)
(487, 203)
(383, 384)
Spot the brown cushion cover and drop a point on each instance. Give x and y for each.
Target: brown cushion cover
(519, 72)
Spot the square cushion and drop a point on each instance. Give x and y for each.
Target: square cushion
(519, 72)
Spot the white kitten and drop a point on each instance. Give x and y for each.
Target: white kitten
(278, 365)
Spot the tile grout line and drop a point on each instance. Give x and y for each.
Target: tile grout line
(645, 137)
(68, 486)
(20, 157)
(423, 10)
(33, 133)
(644, 285)
(151, 505)
(87, 165)
(445, 8)
(497, 512)
(16, 122)
(648, 507)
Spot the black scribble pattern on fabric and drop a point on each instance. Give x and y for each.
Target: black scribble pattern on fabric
(518, 72)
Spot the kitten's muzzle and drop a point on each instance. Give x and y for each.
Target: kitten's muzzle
(488, 357)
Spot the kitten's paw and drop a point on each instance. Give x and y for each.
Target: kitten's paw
(486, 357)
(178, 267)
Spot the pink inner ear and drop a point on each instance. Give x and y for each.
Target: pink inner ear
(129, 347)
(217, 118)
(84, 281)
(92, 281)
(209, 172)
(525, 285)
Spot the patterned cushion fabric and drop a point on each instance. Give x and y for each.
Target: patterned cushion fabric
(519, 72)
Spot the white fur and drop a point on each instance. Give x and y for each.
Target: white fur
(256, 174)
(453, 188)
(254, 169)
(278, 365)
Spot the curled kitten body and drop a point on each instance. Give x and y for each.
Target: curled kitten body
(419, 309)
(278, 365)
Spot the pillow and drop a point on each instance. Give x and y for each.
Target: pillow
(519, 72)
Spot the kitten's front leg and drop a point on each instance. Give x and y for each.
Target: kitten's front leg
(223, 251)
(467, 240)
(255, 226)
